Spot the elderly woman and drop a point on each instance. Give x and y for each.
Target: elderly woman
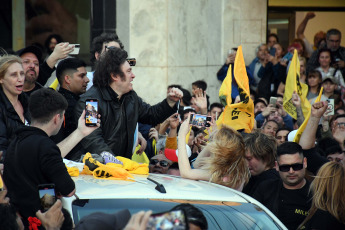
(13, 103)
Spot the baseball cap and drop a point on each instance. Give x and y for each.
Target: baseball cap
(104, 221)
(330, 78)
(31, 49)
(260, 100)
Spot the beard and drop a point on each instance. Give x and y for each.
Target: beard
(29, 77)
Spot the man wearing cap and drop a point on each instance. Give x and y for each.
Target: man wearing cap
(119, 106)
(259, 106)
(287, 197)
(36, 74)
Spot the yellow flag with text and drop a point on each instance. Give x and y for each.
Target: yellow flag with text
(293, 84)
(304, 124)
(239, 116)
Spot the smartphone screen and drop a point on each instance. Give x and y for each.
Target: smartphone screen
(168, 220)
(199, 120)
(273, 51)
(288, 56)
(76, 49)
(330, 108)
(273, 100)
(91, 112)
(47, 195)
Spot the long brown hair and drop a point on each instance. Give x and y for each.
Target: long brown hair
(328, 189)
(227, 158)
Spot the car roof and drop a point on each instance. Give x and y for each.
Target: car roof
(177, 189)
(88, 187)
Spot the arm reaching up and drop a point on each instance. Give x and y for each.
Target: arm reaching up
(307, 140)
(185, 169)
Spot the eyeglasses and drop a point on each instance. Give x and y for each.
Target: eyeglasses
(341, 124)
(162, 163)
(286, 168)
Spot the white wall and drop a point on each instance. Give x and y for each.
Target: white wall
(181, 41)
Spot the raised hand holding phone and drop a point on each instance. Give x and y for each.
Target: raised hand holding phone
(91, 112)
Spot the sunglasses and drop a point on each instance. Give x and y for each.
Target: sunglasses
(131, 61)
(286, 168)
(162, 163)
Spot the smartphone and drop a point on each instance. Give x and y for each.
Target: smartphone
(91, 112)
(132, 61)
(330, 107)
(273, 51)
(76, 49)
(288, 56)
(168, 220)
(199, 120)
(178, 108)
(273, 100)
(47, 196)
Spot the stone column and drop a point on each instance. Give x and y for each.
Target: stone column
(181, 41)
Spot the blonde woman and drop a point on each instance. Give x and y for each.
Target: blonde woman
(13, 103)
(222, 161)
(328, 206)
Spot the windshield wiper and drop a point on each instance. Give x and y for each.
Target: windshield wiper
(160, 188)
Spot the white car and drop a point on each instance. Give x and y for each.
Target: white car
(224, 208)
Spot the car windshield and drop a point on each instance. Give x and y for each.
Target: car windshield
(219, 215)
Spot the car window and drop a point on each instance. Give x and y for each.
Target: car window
(219, 215)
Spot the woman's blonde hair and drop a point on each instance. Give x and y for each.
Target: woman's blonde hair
(227, 158)
(328, 189)
(6, 61)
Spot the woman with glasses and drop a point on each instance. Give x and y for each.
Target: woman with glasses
(328, 204)
(222, 161)
(13, 103)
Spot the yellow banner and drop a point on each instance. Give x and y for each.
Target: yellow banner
(293, 84)
(240, 115)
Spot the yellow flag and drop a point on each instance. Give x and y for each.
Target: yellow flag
(225, 89)
(240, 115)
(55, 84)
(302, 127)
(293, 84)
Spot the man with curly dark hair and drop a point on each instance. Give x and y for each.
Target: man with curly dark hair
(119, 106)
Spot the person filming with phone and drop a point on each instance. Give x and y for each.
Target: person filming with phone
(119, 106)
(33, 159)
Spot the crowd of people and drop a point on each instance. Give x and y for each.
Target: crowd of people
(300, 182)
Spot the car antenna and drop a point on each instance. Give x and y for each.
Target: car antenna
(160, 188)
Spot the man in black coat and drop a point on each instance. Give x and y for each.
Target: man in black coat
(120, 107)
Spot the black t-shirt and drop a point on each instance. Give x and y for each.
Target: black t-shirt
(255, 181)
(293, 206)
(323, 220)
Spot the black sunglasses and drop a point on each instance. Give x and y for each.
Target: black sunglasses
(286, 168)
(163, 163)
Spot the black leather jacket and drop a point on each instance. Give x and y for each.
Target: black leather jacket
(9, 119)
(119, 119)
